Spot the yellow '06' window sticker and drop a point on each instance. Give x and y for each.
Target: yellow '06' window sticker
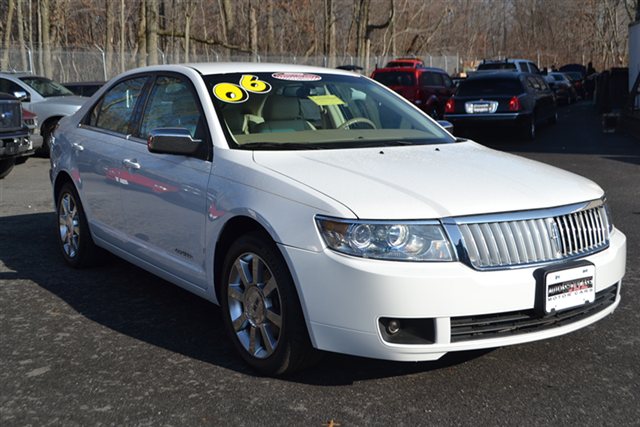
(323, 100)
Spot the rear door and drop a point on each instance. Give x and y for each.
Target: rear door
(98, 146)
(165, 202)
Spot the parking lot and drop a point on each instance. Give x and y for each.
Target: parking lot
(117, 346)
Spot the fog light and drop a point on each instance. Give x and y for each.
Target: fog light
(393, 327)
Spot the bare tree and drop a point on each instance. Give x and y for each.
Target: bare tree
(4, 63)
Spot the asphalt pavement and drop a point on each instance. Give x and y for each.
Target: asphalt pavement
(115, 345)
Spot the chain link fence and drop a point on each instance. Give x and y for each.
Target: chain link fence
(94, 64)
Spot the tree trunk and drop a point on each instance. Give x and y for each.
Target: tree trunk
(271, 32)
(152, 32)
(330, 33)
(4, 63)
(142, 34)
(23, 51)
(187, 29)
(122, 32)
(109, 38)
(45, 30)
(253, 31)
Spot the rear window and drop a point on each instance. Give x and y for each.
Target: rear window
(497, 66)
(395, 78)
(431, 79)
(480, 87)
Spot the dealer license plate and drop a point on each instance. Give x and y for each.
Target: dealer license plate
(570, 288)
(481, 108)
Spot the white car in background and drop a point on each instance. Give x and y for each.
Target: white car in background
(47, 99)
(323, 211)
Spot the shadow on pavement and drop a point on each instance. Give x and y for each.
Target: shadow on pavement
(131, 301)
(578, 131)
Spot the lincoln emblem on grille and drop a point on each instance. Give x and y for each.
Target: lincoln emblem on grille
(555, 235)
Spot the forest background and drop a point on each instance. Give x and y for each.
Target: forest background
(96, 39)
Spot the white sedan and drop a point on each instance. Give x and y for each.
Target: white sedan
(324, 212)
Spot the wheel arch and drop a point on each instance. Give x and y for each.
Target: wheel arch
(62, 178)
(232, 229)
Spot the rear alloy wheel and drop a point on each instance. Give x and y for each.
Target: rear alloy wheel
(261, 310)
(74, 237)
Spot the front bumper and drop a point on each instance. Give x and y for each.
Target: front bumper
(15, 145)
(344, 304)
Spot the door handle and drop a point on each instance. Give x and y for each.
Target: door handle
(131, 164)
(77, 147)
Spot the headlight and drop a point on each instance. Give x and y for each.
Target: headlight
(402, 241)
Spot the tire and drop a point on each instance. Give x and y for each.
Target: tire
(21, 160)
(262, 314)
(6, 165)
(45, 149)
(74, 238)
(529, 129)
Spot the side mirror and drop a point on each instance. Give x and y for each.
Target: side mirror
(448, 126)
(22, 96)
(172, 141)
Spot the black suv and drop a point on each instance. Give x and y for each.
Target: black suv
(518, 101)
(14, 135)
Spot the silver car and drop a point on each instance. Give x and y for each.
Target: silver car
(49, 100)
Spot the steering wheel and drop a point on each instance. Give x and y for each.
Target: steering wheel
(357, 120)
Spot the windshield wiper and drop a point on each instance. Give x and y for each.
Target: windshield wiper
(279, 146)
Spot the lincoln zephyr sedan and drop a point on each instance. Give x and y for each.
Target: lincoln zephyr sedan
(323, 211)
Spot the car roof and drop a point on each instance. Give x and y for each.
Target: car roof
(419, 68)
(499, 74)
(17, 75)
(258, 67)
(506, 60)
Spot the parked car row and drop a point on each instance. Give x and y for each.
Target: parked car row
(508, 93)
(19, 136)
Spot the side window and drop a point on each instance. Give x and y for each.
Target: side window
(534, 68)
(431, 79)
(115, 110)
(447, 81)
(524, 67)
(533, 83)
(172, 105)
(542, 83)
(10, 87)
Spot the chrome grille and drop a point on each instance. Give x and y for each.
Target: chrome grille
(501, 242)
(10, 115)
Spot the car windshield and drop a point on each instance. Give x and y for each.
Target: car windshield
(557, 77)
(310, 111)
(46, 87)
(495, 86)
(497, 66)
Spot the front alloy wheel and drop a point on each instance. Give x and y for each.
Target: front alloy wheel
(261, 309)
(254, 305)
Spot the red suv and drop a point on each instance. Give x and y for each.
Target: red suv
(427, 87)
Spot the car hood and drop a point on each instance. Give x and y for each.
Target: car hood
(430, 181)
(66, 100)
